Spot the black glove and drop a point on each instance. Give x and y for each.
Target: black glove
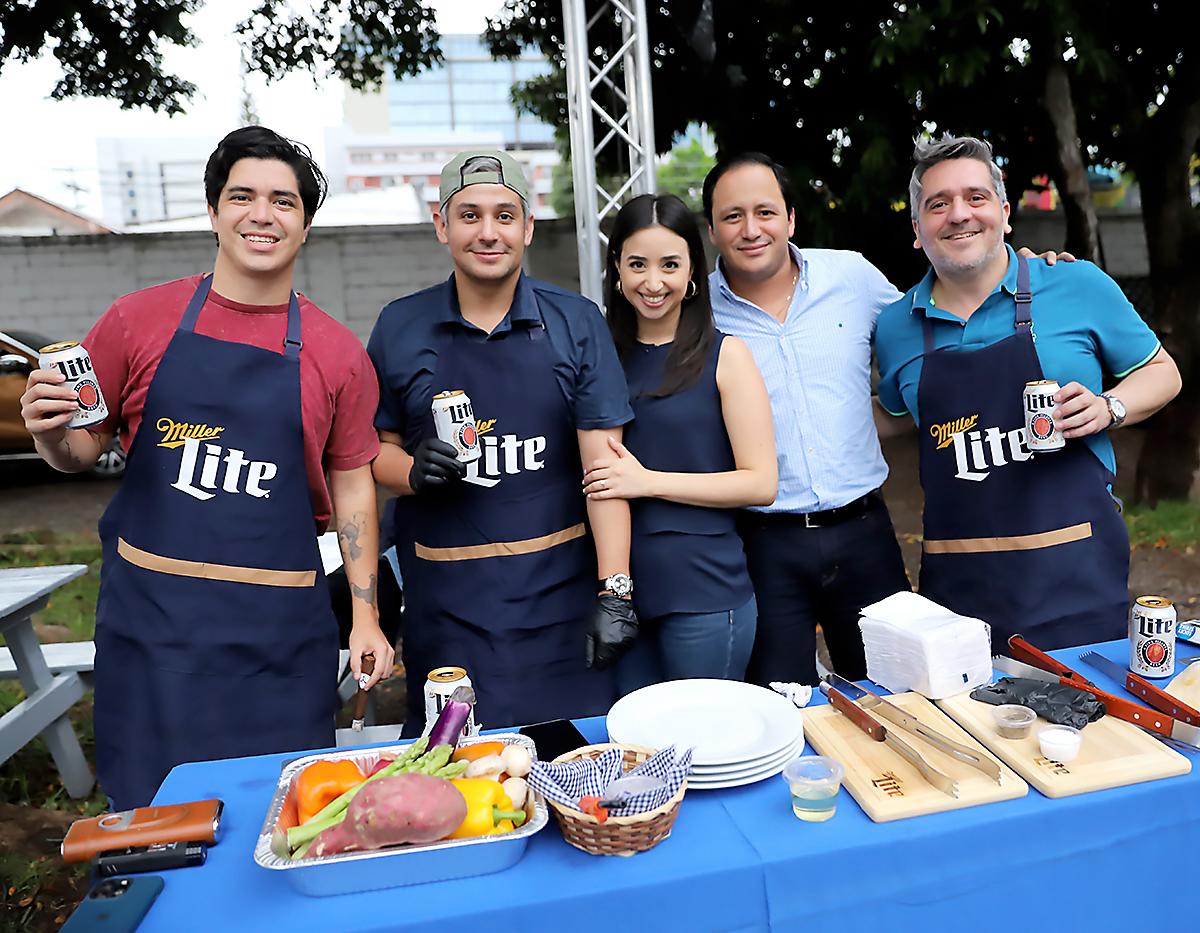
(435, 464)
(611, 631)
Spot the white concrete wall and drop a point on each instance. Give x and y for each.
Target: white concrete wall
(59, 286)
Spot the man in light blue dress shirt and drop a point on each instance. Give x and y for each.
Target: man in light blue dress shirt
(826, 547)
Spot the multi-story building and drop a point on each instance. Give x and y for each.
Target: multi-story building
(144, 180)
(404, 132)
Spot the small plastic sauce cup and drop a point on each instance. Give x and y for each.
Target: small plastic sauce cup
(1013, 721)
(1060, 743)
(814, 781)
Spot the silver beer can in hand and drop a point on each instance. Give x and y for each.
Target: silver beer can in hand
(1038, 401)
(72, 360)
(454, 420)
(439, 685)
(1152, 636)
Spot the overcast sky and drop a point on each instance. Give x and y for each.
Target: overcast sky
(52, 143)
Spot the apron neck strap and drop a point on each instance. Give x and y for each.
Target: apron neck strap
(1023, 299)
(291, 343)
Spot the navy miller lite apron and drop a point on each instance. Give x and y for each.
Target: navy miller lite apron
(214, 632)
(1030, 543)
(501, 575)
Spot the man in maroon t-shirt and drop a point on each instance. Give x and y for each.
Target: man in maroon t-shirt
(234, 398)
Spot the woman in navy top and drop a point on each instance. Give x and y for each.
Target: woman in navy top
(701, 444)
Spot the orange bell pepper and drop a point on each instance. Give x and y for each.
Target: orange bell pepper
(477, 751)
(322, 782)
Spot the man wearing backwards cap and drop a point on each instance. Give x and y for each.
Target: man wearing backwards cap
(499, 575)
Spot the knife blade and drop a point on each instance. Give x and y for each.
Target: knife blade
(1139, 686)
(880, 733)
(1118, 708)
(881, 706)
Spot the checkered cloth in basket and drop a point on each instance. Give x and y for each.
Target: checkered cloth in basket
(565, 783)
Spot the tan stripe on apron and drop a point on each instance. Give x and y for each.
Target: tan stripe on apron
(501, 548)
(1013, 543)
(205, 571)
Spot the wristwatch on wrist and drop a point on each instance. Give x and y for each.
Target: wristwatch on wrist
(619, 584)
(1116, 409)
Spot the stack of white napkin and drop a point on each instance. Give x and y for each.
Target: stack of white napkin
(912, 643)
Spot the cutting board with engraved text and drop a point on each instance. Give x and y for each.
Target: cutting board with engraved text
(885, 785)
(1114, 753)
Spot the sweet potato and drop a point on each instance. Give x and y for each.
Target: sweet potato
(393, 810)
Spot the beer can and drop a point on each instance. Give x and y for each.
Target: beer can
(1040, 433)
(1189, 632)
(1152, 636)
(439, 684)
(72, 360)
(454, 420)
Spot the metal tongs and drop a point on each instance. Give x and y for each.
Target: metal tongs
(897, 716)
(876, 730)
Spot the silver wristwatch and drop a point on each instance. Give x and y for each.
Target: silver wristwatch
(619, 584)
(1116, 409)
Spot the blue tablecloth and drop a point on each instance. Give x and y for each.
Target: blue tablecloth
(738, 860)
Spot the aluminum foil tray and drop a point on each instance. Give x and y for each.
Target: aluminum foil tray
(349, 872)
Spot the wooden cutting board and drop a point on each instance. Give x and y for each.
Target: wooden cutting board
(1114, 753)
(885, 785)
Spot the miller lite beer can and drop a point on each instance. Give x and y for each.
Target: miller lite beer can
(1189, 632)
(439, 685)
(1040, 432)
(1152, 636)
(454, 420)
(72, 360)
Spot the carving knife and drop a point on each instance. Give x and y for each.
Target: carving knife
(885, 708)
(1139, 686)
(880, 733)
(1117, 707)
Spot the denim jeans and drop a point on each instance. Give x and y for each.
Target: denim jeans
(689, 644)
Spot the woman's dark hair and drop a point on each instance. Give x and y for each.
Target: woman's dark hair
(258, 142)
(695, 333)
(729, 163)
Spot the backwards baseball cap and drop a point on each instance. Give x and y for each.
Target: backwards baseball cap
(482, 167)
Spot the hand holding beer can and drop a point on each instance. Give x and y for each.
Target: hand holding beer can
(1041, 435)
(454, 420)
(72, 360)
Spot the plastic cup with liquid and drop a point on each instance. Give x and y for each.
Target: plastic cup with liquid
(814, 781)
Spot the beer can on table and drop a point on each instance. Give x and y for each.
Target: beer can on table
(72, 360)
(454, 420)
(1040, 432)
(1189, 632)
(1152, 636)
(439, 685)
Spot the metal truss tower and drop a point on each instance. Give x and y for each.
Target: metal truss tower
(607, 89)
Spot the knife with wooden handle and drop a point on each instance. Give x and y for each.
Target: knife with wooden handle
(881, 706)
(1153, 695)
(880, 733)
(1117, 707)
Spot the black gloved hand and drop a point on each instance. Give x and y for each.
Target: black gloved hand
(611, 631)
(435, 464)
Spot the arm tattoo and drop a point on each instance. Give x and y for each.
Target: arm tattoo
(365, 593)
(348, 533)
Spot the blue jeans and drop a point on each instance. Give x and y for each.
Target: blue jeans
(689, 644)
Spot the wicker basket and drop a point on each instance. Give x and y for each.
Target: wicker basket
(618, 835)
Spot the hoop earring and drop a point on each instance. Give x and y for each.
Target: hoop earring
(695, 289)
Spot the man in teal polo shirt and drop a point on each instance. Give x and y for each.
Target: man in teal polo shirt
(1031, 543)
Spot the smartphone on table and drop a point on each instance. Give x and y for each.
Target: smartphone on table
(554, 738)
(114, 905)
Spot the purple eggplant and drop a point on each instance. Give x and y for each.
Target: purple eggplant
(448, 728)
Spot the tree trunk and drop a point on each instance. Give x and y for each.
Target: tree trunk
(1070, 176)
(1171, 454)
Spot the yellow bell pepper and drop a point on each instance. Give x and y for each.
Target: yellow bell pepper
(489, 810)
(323, 781)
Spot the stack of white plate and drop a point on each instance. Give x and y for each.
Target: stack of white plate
(741, 733)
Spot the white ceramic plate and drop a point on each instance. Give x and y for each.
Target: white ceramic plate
(754, 778)
(721, 774)
(727, 722)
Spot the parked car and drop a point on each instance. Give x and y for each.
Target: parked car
(18, 357)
